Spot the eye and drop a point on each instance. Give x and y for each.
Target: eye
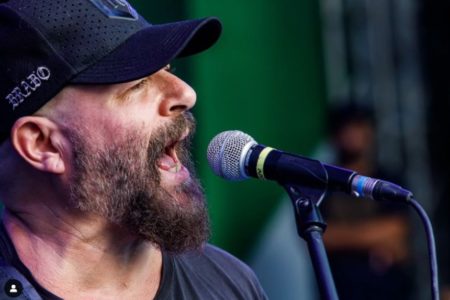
(140, 85)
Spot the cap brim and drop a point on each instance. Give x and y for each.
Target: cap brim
(150, 49)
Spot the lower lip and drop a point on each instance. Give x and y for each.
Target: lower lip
(177, 178)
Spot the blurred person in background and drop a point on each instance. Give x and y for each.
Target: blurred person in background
(366, 241)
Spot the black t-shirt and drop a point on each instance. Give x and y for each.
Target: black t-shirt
(210, 273)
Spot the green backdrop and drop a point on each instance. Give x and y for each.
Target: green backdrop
(264, 77)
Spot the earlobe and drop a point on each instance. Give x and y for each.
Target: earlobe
(38, 141)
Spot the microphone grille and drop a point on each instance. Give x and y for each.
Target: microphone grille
(225, 152)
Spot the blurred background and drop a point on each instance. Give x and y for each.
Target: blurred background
(282, 71)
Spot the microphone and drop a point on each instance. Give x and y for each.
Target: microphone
(234, 155)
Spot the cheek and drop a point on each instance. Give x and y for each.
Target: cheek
(142, 121)
(142, 113)
(99, 127)
(103, 125)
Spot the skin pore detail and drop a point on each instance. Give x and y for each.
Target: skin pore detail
(100, 196)
(116, 200)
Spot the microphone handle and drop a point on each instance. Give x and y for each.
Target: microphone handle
(267, 163)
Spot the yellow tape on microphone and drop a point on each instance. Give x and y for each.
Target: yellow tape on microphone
(261, 160)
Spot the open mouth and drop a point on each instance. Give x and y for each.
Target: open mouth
(169, 161)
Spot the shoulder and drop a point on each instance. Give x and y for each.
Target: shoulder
(213, 273)
(219, 263)
(226, 262)
(221, 257)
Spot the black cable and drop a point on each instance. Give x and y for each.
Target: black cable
(431, 248)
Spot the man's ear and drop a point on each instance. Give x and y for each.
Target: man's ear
(39, 142)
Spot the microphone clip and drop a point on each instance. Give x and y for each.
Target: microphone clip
(306, 203)
(310, 227)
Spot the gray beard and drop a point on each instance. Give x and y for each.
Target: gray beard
(122, 184)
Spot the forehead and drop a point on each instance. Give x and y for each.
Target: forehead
(81, 96)
(75, 94)
(115, 89)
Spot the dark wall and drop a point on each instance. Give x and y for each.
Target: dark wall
(435, 32)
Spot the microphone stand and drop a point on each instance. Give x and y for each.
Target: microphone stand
(310, 227)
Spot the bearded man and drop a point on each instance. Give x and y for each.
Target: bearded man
(100, 201)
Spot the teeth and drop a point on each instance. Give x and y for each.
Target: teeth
(169, 161)
(176, 168)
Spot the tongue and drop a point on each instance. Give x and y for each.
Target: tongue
(167, 163)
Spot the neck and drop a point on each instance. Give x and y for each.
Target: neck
(84, 256)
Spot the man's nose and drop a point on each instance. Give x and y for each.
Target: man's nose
(178, 97)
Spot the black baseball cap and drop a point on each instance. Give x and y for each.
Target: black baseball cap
(48, 44)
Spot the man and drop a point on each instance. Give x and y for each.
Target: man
(100, 201)
(367, 241)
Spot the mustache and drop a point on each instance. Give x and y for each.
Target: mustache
(173, 133)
